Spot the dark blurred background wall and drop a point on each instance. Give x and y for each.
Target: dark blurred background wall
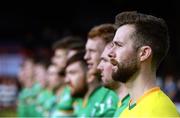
(35, 25)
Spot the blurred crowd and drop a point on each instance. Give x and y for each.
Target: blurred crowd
(170, 84)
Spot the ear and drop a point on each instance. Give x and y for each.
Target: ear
(145, 52)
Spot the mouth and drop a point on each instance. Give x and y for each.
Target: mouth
(90, 65)
(70, 85)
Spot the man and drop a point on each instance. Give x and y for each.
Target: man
(106, 75)
(76, 78)
(106, 103)
(64, 49)
(45, 99)
(140, 44)
(40, 77)
(25, 98)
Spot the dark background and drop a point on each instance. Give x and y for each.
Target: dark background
(36, 25)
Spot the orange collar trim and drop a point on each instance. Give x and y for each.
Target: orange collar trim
(147, 93)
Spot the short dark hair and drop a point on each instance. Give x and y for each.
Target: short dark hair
(42, 60)
(149, 30)
(78, 57)
(65, 42)
(105, 31)
(79, 45)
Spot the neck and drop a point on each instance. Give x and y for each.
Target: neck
(140, 83)
(122, 91)
(92, 86)
(50, 88)
(112, 85)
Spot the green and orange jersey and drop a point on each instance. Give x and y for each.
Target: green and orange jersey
(101, 103)
(77, 106)
(22, 110)
(35, 90)
(64, 104)
(41, 102)
(122, 105)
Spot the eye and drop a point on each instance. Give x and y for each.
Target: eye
(118, 44)
(104, 59)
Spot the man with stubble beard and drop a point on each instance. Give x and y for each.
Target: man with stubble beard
(140, 44)
(76, 70)
(106, 69)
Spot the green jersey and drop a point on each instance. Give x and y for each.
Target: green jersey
(77, 106)
(48, 105)
(35, 90)
(22, 105)
(42, 98)
(123, 104)
(64, 105)
(101, 103)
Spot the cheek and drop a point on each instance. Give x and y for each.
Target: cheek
(125, 54)
(109, 70)
(61, 60)
(79, 80)
(73, 81)
(53, 80)
(96, 58)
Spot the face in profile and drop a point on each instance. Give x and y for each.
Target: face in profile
(60, 58)
(40, 74)
(94, 48)
(76, 78)
(123, 55)
(28, 73)
(106, 67)
(28, 69)
(54, 79)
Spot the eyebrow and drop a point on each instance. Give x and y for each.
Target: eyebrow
(117, 42)
(103, 58)
(90, 49)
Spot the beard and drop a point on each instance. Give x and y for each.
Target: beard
(125, 70)
(79, 93)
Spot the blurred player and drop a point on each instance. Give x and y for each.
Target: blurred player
(106, 69)
(76, 78)
(99, 101)
(63, 50)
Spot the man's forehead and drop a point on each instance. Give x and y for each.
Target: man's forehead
(95, 44)
(74, 66)
(104, 54)
(124, 32)
(95, 41)
(60, 51)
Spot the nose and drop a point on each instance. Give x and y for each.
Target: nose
(111, 53)
(67, 80)
(99, 67)
(86, 56)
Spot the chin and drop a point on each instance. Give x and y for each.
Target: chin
(90, 79)
(73, 93)
(92, 71)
